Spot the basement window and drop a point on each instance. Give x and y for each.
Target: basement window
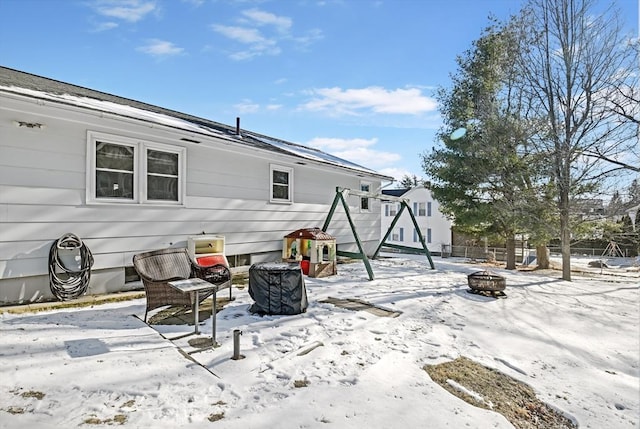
(239, 260)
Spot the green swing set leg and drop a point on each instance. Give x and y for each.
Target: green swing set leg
(425, 249)
(361, 255)
(393, 224)
(407, 249)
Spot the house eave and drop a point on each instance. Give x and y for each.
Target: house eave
(85, 99)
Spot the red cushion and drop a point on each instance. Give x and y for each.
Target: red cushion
(208, 261)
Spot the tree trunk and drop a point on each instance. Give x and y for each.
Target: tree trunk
(566, 256)
(565, 235)
(511, 253)
(542, 257)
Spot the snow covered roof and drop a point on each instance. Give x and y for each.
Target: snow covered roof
(14, 81)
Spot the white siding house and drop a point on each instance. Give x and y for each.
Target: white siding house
(128, 177)
(434, 226)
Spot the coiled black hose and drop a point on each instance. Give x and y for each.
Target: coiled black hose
(66, 283)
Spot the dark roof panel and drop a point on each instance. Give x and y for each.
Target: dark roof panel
(395, 192)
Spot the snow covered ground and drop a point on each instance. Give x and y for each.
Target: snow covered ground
(576, 343)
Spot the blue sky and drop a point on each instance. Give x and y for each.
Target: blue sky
(355, 78)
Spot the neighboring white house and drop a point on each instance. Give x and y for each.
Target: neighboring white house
(128, 177)
(434, 226)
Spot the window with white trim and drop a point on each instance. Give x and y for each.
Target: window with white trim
(397, 234)
(126, 170)
(364, 201)
(281, 184)
(418, 209)
(416, 238)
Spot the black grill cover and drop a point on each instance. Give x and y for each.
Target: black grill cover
(277, 288)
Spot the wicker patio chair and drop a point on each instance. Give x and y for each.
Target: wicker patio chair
(158, 267)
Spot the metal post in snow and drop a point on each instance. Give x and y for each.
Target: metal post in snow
(236, 345)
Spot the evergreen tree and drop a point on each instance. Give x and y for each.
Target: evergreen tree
(634, 193)
(487, 179)
(409, 181)
(616, 205)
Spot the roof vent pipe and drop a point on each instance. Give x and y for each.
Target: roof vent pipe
(238, 126)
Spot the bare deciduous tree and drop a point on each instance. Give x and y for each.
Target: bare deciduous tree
(575, 67)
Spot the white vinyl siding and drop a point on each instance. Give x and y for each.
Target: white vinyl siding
(47, 189)
(431, 223)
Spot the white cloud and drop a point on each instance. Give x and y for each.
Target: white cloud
(333, 144)
(262, 33)
(360, 151)
(260, 17)
(397, 173)
(257, 43)
(374, 99)
(240, 34)
(247, 106)
(127, 10)
(105, 26)
(312, 36)
(160, 48)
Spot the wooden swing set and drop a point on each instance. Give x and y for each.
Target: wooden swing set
(341, 193)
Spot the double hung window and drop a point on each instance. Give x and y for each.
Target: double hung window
(397, 234)
(427, 238)
(125, 170)
(364, 201)
(390, 209)
(418, 209)
(281, 184)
